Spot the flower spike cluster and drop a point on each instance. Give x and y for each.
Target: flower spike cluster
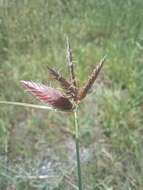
(71, 95)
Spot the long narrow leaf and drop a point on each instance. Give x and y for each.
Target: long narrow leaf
(26, 105)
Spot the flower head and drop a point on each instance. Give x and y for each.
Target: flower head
(71, 95)
(48, 95)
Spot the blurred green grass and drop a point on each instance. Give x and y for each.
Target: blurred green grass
(32, 36)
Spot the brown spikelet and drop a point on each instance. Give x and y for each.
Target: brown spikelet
(70, 64)
(70, 91)
(83, 92)
(49, 95)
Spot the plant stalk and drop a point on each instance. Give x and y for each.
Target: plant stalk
(77, 150)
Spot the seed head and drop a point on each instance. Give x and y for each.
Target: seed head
(67, 100)
(49, 95)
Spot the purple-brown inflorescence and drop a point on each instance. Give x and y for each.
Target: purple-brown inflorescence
(69, 89)
(48, 95)
(83, 92)
(71, 95)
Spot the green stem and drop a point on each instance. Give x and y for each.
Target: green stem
(6, 149)
(77, 150)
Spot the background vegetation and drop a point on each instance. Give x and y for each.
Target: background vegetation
(35, 142)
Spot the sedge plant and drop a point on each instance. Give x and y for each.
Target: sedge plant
(67, 100)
